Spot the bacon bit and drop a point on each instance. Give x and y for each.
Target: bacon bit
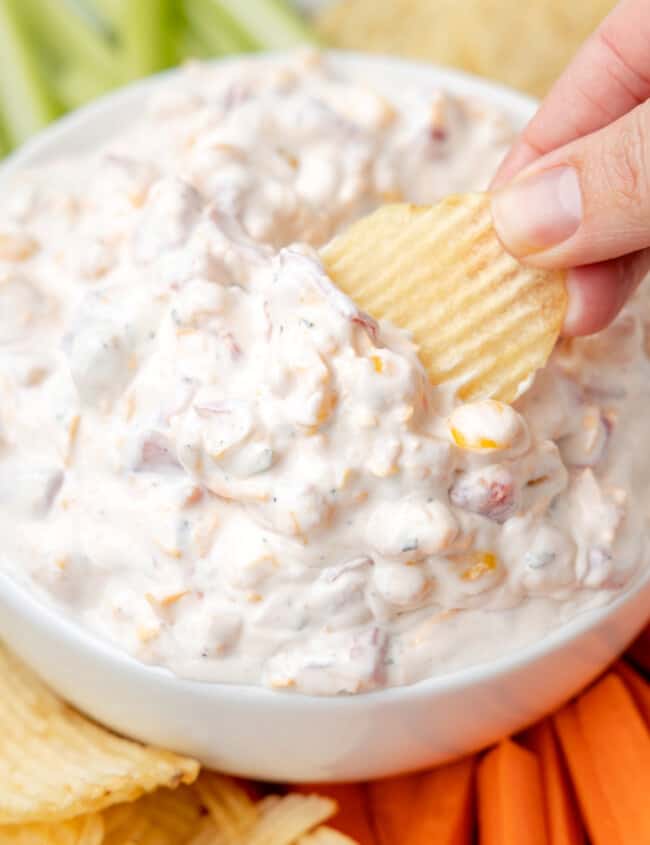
(264, 558)
(137, 197)
(346, 475)
(233, 347)
(542, 479)
(406, 413)
(131, 404)
(73, 432)
(148, 633)
(204, 540)
(17, 247)
(297, 529)
(284, 683)
(193, 497)
(367, 324)
(423, 631)
(175, 553)
(36, 376)
(166, 601)
(384, 471)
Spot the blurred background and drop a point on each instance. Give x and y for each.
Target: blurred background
(56, 55)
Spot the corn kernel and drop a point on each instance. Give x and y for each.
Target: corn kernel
(481, 563)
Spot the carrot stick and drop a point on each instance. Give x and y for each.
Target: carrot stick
(619, 745)
(637, 686)
(596, 809)
(391, 807)
(353, 816)
(441, 809)
(562, 819)
(510, 797)
(639, 651)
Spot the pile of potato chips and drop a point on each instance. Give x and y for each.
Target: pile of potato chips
(67, 781)
(522, 43)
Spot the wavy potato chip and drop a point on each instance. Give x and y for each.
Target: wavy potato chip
(284, 820)
(166, 817)
(523, 43)
(480, 318)
(86, 830)
(230, 808)
(56, 764)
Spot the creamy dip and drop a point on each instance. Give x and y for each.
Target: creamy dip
(211, 457)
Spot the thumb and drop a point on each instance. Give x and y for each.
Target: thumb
(586, 202)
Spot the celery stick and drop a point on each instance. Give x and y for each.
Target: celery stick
(108, 12)
(71, 36)
(272, 24)
(190, 45)
(26, 104)
(145, 27)
(217, 28)
(75, 86)
(4, 142)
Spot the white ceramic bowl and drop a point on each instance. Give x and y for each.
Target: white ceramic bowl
(281, 736)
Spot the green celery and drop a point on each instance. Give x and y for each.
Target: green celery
(26, 104)
(75, 86)
(145, 29)
(271, 24)
(108, 12)
(190, 45)
(4, 142)
(217, 28)
(70, 35)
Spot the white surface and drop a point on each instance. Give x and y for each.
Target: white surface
(253, 731)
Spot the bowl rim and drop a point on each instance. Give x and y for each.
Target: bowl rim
(42, 615)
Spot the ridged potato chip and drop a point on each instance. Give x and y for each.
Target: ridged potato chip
(85, 830)
(284, 820)
(166, 817)
(230, 808)
(56, 764)
(475, 35)
(480, 318)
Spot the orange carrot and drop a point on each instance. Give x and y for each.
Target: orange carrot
(639, 651)
(596, 810)
(441, 809)
(637, 686)
(510, 797)
(391, 807)
(619, 745)
(562, 819)
(353, 816)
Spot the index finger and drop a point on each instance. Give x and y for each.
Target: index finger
(609, 76)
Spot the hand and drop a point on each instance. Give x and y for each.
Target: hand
(580, 190)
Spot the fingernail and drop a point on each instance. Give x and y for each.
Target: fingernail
(538, 211)
(575, 311)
